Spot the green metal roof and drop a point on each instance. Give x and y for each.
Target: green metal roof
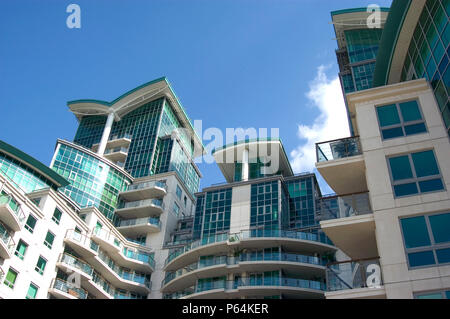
(344, 11)
(33, 163)
(392, 29)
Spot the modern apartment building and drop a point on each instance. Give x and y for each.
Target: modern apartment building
(94, 225)
(396, 164)
(255, 236)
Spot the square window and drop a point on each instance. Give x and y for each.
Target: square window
(11, 278)
(40, 266)
(21, 249)
(49, 239)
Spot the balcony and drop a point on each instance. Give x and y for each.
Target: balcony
(341, 164)
(7, 243)
(72, 264)
(288, 286)
(250, 239)
(141, 209)
(11, 213)
(355, 279)
(107, 240)
(134, 227)
(81, 243)
(348, 221)
(141, 191)
(115, 141)
(117, 154)
(64, 290)
(246, 262)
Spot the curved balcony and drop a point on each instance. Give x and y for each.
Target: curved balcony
(141, 191)
(99, 287)
(251, 239)
(141, 209)
(289, 287)
(120, 277)
(11, 213)
(7, 243)
(117, 154)
(64, 290)
(115, 141)
(248, 262)
(71, 264)
(81, 243)
(134, 227)
(125, 256)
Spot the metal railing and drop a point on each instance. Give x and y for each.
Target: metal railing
(7, 239)
(336, 149)
(244, 257)
(148, 185)
(142, 203)
(116, 149)
(140, 221)
(353, 274)
(69, 288)
(253, 233)
(334, 207)
(77, 263)
(9, 201)
(82, 239)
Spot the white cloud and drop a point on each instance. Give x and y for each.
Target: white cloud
(326, 95)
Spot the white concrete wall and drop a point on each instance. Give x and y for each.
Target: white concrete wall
(240, 208)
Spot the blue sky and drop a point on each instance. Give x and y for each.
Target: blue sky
(233, 63)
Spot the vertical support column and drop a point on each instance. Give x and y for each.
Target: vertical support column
(105, 135)
(245, 165)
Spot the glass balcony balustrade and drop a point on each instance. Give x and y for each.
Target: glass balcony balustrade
(245, 257)
(14, 207)
(69, 288)
(7, 239)
(254, 233)
(353, 274)
(106, 286)
(82, 239)
(142, 203)
(116, 150)
(117, 137)
(139, 221)
(76, 263)
(334, 207)
(148, 185)
(337, 149)
(124, 274)
(258, 281)
(127, 295)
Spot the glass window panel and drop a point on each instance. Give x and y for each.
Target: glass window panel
(388, 115)
(437, 295)
(425, 163)
(415, 129)
(32, 291)
(415, 232)
(392, 133)
(405, 189)
(410, 111)
(440, 225)
(422, 258)
(400, 167)
(431, 185)
(443, 255)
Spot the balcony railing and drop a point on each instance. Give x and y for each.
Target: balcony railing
(82, 239)
(15, 208)
(148, 185)
(140, 221)
(116, 150)
(334, 207)
(143, 203)
(253, 233)
(245, 257)
(127, 295)
(101, 282)
(76, 263)
(353, 274)
(70, 289)
(336, 149)
(117, 137)
(122, 273)
(254, 282)
(7, 239)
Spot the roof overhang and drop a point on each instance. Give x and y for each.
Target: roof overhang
(270, 149)
(33, 164)
(135, 98)
(352, 19)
